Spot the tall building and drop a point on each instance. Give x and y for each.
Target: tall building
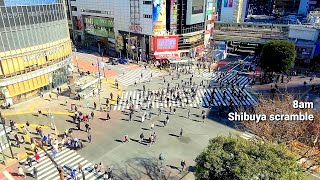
(149, 28)
(35, 48)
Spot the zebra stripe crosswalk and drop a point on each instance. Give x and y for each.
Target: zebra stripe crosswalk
(217, 96)
(130, 77)
(231, 78)
(248, 136)
(47, 170)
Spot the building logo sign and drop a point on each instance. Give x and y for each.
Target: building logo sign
(135, 28)
(42, 54)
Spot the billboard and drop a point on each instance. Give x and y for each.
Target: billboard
(159, 15)
(27, 15)
(227, 3)
(173, 16)
(165, 43)
(99, 26)
(197, 6)
(26, 2)
(195, 12)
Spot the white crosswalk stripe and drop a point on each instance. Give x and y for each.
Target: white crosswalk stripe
(218, 97)
(232, 78)
(248, 136)
(47, 170)
(130, 77)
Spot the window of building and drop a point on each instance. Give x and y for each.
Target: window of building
(74, 8)
(73, 0)
(147, 16)
(147, 2)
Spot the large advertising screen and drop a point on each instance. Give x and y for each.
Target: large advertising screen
(159, 15)
(197, 6)
(165, 43)
(27, 15)
(26, 2)
(99, 26)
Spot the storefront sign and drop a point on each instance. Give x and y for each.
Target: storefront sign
(192, 39)
(166, 55)
(135, 28)
(42, 54)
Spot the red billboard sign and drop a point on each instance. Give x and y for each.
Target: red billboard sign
(165, 43)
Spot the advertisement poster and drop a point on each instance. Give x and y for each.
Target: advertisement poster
(173, 19)
(159, 15)
(197, 6)
(227, 3)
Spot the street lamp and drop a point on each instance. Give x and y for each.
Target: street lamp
(75, 52)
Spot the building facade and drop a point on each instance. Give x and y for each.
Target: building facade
(35, 48)
(149, 28)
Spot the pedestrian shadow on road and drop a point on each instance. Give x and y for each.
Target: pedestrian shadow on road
(118, 140)
(174, 135)
(159, 125)
(146, 129)
(174, 167)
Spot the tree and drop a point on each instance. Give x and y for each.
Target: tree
(235, 158)
(278, 56)
(119, 44)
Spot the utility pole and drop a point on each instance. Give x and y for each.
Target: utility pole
(99, 80)
(75, 52)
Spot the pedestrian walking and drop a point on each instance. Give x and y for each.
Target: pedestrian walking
(96, 166)
(108, 116)
(87, 127)
(35, 173)
(92, 115)
(21, 172)
(17, 140)
(94, 105)
(142, 118)
(126, 138)
(89, 138)
(152, 126)
(183, 164)
(188, 114)
(37, 157)
(29, 161)
(181, 132)
(54, 153)
(80, 167)
(141, 137)
(174, 111)
(101, 167)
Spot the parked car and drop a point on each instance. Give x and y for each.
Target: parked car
(114, 61)
(123, 61)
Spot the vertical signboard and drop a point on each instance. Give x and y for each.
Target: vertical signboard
(227, 3)
(159, 16)
(173, 16)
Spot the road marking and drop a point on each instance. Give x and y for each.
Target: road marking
(8, 175)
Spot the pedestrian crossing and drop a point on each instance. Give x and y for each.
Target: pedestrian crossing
(202, 97)
(130, 77)
(47, 170)
(248, 136)
(229, 78)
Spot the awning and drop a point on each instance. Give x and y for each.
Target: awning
(166, 55)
